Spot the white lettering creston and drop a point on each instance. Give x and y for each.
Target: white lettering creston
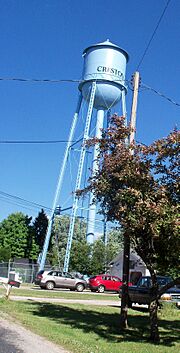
(110, 70)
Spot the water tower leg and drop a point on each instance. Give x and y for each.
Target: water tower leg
(79, 177)
(59, 185)
(92, 206)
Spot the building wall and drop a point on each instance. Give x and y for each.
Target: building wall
(137, 268)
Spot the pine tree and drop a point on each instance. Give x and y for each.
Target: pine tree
(40, 225)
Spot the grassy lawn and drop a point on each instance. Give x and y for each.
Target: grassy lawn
(39, 293)
(91, 329)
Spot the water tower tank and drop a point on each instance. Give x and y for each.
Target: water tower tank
(104, 63)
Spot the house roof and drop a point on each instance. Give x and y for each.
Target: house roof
(133, 257)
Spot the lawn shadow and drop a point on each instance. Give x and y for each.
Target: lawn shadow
(106, 325)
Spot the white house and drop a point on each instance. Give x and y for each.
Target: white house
(137, 267)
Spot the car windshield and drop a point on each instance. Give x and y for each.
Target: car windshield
(67, 275)
(163, 281)
(144, 282)
(116, 279)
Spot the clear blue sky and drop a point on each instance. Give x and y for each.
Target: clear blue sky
(45, 39)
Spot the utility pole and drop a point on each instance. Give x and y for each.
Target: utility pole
(136, 79)
(126, 255)
(105, 238)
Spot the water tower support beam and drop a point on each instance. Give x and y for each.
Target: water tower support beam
(79, 177)
(59, 185)
(92, 205)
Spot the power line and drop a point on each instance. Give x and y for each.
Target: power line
(20, 199)
(26, 204)
(37, 80)
(44, 80)
(11, 202)
(161, 94)
(39, 141)
(153, 34)
(34, 142)
(33, 204)
(79, 140)
(76, 80)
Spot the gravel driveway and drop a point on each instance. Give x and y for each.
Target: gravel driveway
(17, 339)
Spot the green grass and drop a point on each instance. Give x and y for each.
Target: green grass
(39, 293)
(91, 329)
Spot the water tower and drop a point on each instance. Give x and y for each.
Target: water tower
(102, 87)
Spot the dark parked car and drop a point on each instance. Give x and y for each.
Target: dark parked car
(57, 279)
(105, 282)
(140, 293)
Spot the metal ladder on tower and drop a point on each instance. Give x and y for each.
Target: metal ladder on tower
(79, 177)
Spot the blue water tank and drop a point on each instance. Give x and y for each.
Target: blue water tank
(104, 63)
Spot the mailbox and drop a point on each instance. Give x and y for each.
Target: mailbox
(13, 283)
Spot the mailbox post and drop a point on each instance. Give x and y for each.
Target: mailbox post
(11, 283)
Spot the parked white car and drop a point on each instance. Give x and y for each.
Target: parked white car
(57, 279)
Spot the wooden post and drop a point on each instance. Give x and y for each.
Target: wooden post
(134, 106)
(8, 291)
(126, 254)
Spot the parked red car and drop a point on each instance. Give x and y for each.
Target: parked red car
(104, 282)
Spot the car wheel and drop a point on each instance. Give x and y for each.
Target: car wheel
(101, 289)
(50, 285)
(80, 287)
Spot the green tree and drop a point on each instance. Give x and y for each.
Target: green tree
(32, 248)
(81, 253)
(15, 234)
(102, 254)
(80, 250)
(98, 257)
(114, 244)
(80, 257)
(140, 191)
(5, 253)
(40, 225)
(59, 241)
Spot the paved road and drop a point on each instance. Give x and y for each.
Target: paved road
(16, 339)
(8, 339)
(70, 301)
(92, 301)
